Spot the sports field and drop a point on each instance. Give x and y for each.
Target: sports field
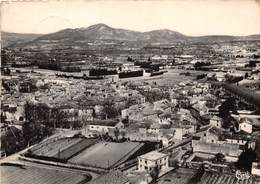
(106, 154)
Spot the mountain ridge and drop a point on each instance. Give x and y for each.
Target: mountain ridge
(101, 32)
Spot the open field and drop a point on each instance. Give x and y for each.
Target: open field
(106, 154)
(62, 148)
(35, 175)
(171, 77)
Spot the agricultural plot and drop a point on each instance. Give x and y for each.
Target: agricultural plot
(62, 149)
(34, 175)
(179, 176)
(106, 154)
(221, 178)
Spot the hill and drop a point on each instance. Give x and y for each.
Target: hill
(104, 32)
(8, 39)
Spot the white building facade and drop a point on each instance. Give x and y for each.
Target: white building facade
(152, 159)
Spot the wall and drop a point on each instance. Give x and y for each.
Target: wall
(214, 148)
(215, 123)
(98, 128)
(124, 113)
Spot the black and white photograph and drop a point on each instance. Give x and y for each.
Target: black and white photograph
(130, 92)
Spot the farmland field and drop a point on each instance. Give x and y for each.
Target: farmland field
(106, 154)
(221, 178)
(62, 148)
(34, 175)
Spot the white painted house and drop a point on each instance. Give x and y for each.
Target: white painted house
(152, 159)
(246, 127)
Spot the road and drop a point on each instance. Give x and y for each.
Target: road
(59, 168)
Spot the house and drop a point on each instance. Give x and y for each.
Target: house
(165, 118)
(111, 178)
(153, 159)
(255, 169)
(103, 126)
(181, 130)
(166, 140)
(245, 125)
(216, 121)
(201, 108)
(154, 129)
(249, 125)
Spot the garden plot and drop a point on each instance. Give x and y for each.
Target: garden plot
(106, 154)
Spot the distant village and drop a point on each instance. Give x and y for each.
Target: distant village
(156, 114)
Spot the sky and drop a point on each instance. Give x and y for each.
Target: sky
(190, 17)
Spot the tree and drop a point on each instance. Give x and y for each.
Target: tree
(155, 173)
(233, 79)
(109, 109)
(224, 111)
(245, 159)
(3, 118)
(116, 133)
(12, 141)
(123, 134)
(219, 157)
(37, 124)
(198, 65)
(246, 75)
(129, 59)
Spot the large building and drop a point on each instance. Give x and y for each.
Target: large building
(214, 140)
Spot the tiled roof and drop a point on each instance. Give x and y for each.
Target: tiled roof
(216, 131)
(153, 155)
